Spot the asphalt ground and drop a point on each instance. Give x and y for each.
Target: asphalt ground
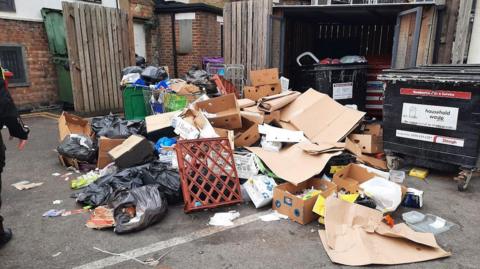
(185, 240)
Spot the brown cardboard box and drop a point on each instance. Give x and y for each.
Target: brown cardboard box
(160, 121)
(106, 144)
(368, 143)
(225, 110)
(71, 124)
(286, 202)
(247, 135)
(264, 77)
(350, 177)
(133, 151)
(243, 103)
(255, 93)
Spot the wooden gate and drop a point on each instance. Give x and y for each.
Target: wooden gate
(100, 44)
(246, 33)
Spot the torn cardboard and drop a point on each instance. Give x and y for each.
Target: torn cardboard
(242, 103)
(223, 111)
(298, 209)
(192, 124)
(264, 77)
(293, 164)
(275, 134)
(247, 135)
(181, 87)
(278, 101)
(316, 149)
(355, 235)
(255, 93)
(357, 151)
(160, 121)
(133, 151)
(106, 144)
(320, 117)
(71, 124)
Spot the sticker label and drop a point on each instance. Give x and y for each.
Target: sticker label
(342, 91)
(440, 94)
(441, 117)
(431, 138)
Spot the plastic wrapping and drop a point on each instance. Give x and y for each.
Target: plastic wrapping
(154, 74)
(136, 209)
(79, 147)
(112, 126)
(132, 69)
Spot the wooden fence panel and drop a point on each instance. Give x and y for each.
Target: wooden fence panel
(246, 33)
(100, 45)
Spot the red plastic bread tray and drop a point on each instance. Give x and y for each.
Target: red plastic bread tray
(224, 86)
(208, 173)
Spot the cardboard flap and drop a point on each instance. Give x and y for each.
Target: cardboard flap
(160, 121)
(320, 117)
(313, 148)
(264, 76)
(242, 103)
(72, 124)
(293, 164)
(125, 146)
(348, 238)
(357, 151)
(278, 101)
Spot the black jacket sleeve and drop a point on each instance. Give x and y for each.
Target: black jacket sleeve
(9, 115)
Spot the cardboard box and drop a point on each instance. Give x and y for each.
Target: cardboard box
(71, 124)
(224, 111)
(247, 135)
(106, 144)
(320, 117)
(297, 209)
(255, 93)
(160, 121)
(242, 103)
(350, 177)
(260, 190)
(135, 150)
(264, 77)
(368, 143)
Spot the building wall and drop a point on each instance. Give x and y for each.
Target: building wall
(30, 9)
(41, 72)
(206, 41)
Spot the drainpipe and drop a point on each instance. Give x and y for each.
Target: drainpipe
(474, 52)
(174, 46)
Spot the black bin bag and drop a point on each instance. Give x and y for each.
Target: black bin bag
(79, 147)
(137, 209)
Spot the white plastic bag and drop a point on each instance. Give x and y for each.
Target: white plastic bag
(386, 194)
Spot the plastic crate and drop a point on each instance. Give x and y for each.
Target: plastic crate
(224, 86)
(208, 173)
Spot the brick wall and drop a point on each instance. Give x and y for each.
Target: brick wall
(142, 8)
(206, 41)
(41, 72)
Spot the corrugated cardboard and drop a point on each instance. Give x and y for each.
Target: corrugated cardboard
(320, 117)
(71, 124)
(247, 135)
(255, 93)
(181, 87)
(133, 151)
(355, 235)
(278, 101)
(350, 177)
(372, 161)
(292, 163)
(242, 103)
(106, 144)
(286, 202)
(160, 121)
(264, 77)
(368, 143)
(225, 110)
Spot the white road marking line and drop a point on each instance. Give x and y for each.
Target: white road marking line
(156, 247)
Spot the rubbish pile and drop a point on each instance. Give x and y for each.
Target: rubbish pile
(305, 155)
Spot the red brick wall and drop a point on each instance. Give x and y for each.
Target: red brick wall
(40, 69)
(206, 41)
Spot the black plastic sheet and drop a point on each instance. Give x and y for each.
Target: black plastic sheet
(112, 126)
(79, 147)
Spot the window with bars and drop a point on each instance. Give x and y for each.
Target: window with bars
(12, 58)
(7, 5)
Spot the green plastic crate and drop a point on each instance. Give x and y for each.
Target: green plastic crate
(134, 103)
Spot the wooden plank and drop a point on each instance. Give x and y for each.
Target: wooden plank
(248, 67)
(255, 34)
(111, 58)
(261, 21)
(93, 51)
(462, 33)
(234, 32)
(99, 56)
(243, 44)
(238, 44)
(130, 39)
(227, 32)
(116, 63)
(87, 86)
(103, 45)
(69, 20)
(425, 39)
(81, 56)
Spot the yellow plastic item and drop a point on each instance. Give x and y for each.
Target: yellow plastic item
(351, 198)
(336, 168)
(418, 172)
(311, 194)
(319, 207)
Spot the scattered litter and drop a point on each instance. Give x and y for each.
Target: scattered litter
(56, 174)
(56, 254)
(274, 216)
(397, 176)
(224, 218)
(73, 212)
(57, 202)
(386, 194)
(67, 174)
(260, 190)
(26, 185)
(418, 173)
(413, 198)
(84, 180)
(53, 213)
(101, 218)
(426, 223)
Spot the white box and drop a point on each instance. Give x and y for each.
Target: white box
(260, 190)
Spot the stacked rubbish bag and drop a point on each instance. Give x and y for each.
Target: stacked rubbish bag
(302, 154)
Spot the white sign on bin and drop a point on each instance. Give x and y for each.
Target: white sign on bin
(342, 91)
(440, 117)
